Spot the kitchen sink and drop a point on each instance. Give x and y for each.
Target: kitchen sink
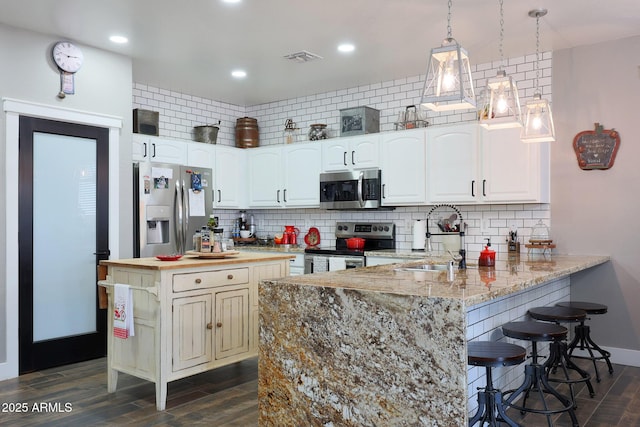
(425, 267)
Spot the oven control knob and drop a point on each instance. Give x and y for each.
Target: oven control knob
(386, 228)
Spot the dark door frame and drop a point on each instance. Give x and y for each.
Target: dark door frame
(43, 354)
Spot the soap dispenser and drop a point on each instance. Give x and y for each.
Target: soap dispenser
(487, 256)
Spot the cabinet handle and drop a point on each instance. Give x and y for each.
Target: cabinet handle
(209, 325)
(484, 193)
(229, 276)
(219, 196)
(344, 158)
(154, 149)
(284, 195)
(353, 160)
(145, 149)
(219, 324)
(278, 196)
(384, 186)
(198, 281)
(473, 186)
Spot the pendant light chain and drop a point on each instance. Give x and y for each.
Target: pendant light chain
(501, 34)
(449, 20)
(537, 54)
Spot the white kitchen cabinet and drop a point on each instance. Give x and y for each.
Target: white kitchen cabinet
(512, 171)
(403, 162)
(230, 181)
(159, 150)
(452, 164)
(200, 154)
(284, 176)
(351, 153)
(469, 164)
(188, 319)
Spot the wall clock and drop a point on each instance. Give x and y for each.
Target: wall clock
(69, 58)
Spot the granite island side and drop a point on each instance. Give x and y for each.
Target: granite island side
(376, 346)
(190, 315)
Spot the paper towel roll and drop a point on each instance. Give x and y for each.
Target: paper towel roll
(419, 234)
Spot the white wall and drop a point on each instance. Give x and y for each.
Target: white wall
(103, 87)
(595, 212)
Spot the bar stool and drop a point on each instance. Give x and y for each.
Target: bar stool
(490, 400)
(582, 338)
(535, 374)
(559, 351)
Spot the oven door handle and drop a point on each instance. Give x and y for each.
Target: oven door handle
(361, 188)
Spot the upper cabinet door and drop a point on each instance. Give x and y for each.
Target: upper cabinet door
(168, 151)
(452, 159)
(230, 187)
(513, 171)
(404, 170)
(301, 186)
(200, 154)
(265, 176)
(351, 153)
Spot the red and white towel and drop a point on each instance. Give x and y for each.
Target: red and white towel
(122, 311)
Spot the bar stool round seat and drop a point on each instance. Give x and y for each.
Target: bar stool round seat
(535, 374)
(559, 354)
(491, 407)
(582, 337)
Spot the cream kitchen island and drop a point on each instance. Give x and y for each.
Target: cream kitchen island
(190, 315)
(375, 346)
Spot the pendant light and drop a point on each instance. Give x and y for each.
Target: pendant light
(502, 109)
(448, 84)
(538, 122)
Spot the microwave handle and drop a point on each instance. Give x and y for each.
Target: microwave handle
(361, 188)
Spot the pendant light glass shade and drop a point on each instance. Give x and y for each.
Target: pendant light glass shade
(502, 109)
(538, 121)
(448, 84)
(538, 125)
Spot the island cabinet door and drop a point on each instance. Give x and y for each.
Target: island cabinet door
(192, 331)
(232, 322)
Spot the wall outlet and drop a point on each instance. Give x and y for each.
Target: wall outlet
(485, 223)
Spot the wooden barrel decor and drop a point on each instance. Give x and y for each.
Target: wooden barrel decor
(596, 149)
(247, 133)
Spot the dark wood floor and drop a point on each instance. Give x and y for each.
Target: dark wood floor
(76, 395)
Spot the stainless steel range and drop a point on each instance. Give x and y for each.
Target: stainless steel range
(377, 235)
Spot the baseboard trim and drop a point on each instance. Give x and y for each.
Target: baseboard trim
(620, 356)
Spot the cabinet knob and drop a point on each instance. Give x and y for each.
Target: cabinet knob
(219, 324)
(229, 276)
(198, 281)
(209, 325)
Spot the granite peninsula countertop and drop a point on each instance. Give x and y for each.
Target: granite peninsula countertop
(472, 286)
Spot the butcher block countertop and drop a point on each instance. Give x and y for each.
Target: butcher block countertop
(192, 261)
(473, 285)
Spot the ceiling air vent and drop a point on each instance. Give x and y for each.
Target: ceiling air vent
(302, 56)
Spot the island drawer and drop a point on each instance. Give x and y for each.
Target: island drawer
(209, 279)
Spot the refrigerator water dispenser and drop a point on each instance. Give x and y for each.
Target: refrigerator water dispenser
(157, 224)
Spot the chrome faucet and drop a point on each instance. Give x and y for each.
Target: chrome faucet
(462, 253)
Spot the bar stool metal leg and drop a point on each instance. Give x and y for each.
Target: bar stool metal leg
(489, 401)
(582, 340)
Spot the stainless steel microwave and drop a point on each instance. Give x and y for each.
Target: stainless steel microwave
(351, 190)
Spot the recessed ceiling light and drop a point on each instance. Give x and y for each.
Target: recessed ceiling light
(346, 47)
(119, 39)
(239, 74)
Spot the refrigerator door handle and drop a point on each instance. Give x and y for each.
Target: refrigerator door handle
(187, 213)
(178, 217)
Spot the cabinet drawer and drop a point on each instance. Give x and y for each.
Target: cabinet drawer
(209, 279)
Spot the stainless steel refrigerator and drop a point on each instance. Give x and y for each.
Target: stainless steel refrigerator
(170, 203)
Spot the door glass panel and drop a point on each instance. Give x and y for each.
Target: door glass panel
(64, 236)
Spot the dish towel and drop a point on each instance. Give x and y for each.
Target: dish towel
(123, 311)
(337, 264)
